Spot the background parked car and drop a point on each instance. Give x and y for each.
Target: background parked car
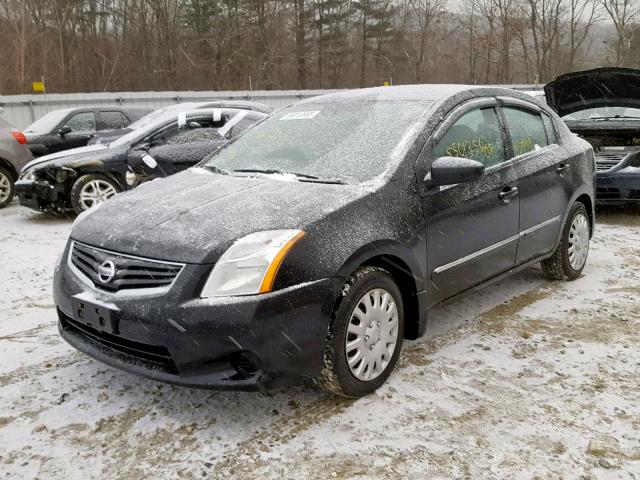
(84, 177)
(74, 127)
(111, 135)
(603, 107)
(13, 156)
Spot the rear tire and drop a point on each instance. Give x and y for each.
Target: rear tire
(569, 258)
(91, 190)
(365, 335)
(7, 187)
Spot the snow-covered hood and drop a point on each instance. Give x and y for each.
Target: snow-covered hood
(73, 152)
(194, 216)
(601, 87)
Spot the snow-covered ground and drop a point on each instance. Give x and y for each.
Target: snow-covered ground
(525, 379)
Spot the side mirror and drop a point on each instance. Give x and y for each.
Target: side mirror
(452, 170)
(64, 130)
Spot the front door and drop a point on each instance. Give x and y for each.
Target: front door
(472, 229)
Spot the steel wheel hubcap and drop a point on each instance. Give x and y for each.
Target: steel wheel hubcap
(96, 192)
(372, 334)
(578, 241)
(5, 187)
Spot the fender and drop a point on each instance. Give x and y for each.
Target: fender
(410, 275)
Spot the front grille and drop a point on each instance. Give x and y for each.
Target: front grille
(128, 272)
(158, 356)
(606, 161)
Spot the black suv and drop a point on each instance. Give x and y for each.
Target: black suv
(74, 127)
(310, 246)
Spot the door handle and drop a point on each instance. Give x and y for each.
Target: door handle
(562, 167)
(507, 193)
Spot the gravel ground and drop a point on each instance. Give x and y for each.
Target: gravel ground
(524, 379)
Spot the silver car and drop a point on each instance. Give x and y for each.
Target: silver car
(14, 155)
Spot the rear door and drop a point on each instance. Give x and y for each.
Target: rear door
(544, 176)
(472, 229)
(112, 120)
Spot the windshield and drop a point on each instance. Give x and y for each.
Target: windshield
(349, 141)
(604, 112)
(47, 123)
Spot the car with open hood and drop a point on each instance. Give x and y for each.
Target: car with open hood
(603, 107)
(84, 177)
(312, 245)
(74, 127)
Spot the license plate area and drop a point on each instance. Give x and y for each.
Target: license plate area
(99, 317)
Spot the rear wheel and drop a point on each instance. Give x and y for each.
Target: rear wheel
(91, 190)
(365, 335)
(6, 187)
(570, 257)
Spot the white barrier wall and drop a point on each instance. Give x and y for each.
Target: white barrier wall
(22, 110)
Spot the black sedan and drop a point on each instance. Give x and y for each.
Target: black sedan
(308, 248)
(82, 178)
(75, 127)
(603, 107)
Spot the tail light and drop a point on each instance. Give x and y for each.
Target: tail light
(19, 136)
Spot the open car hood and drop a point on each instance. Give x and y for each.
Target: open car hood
(601, 87)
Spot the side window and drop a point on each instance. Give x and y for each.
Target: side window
(527, 130)
(82, 122)
(197, 131)
(476, 135)
(194, 135)
(113, 120)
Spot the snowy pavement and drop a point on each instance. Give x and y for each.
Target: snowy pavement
(524, 379)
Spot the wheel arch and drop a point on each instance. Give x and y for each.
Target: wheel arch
(403, 268)
(9, 166)
(587, 201)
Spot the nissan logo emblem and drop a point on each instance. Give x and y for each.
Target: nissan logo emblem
(106, 271)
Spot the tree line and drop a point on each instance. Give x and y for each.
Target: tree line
(138, 45)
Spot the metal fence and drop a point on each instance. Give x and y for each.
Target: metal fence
(22, 110)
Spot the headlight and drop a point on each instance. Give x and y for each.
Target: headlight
(251, 264)
(28, 175)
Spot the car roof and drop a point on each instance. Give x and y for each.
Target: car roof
(428, 93)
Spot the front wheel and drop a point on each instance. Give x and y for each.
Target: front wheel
(570, 257)
(6, 187)
(91, 190)
(365, 335)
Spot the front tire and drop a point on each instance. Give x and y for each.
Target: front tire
(569, 258)
(365, 335)
(7, 187)
(91, 190)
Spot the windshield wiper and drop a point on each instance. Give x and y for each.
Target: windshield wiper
(613, 117)
(304, 177)
(214, 169)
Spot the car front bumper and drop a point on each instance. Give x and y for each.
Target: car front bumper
(37, 195)
(618, 188)
(239, 343)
